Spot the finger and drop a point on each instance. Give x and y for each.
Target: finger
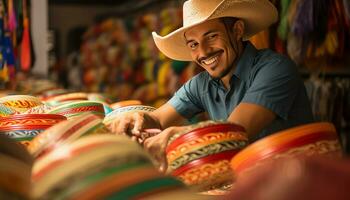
(162, 168)
(134, 138)
(152, 131)
(144, 135)
(138, 124)
(140, 141)
(122, 127)
(162, 159)
(113, 125)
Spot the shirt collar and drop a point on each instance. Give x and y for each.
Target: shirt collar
(244, 64)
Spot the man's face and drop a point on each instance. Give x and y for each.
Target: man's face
(210, 47)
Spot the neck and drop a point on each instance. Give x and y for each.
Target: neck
(227, 78)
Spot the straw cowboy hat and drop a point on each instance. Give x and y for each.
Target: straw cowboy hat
(256, 14)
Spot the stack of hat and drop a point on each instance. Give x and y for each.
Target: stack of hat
(66, 132)
(119, 111)
(120, 104)
(102, 99)
(15, 170)
(24, 127)
(59, 99)
(307, 140)
(6, 111)
(20, 103)
(201, 155)
(78, 108)
(101, 167)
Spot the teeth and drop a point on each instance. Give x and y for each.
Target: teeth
(210, 60)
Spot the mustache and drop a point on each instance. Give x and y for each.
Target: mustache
(211, 54)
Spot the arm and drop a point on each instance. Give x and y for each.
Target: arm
(167, 116)
(271, 94)
(184, 104)
(252, 117)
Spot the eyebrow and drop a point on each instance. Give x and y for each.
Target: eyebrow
(205, 34)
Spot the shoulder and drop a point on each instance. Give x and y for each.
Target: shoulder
(274, 63)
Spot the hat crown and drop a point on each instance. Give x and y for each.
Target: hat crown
(195, 11)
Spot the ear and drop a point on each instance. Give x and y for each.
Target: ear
(238, 28)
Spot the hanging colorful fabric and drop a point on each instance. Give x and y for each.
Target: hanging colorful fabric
(12, 16)
(2, 28)
(8, 50)
(4, 74)
(2, 60)
(19, 16)
(8, 54)
(25, 44)
(283, 25)
(12, 21)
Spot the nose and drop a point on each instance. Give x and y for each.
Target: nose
(203, 50)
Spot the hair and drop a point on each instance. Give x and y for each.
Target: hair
(228, 21)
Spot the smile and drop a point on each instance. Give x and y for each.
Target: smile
(210, 61)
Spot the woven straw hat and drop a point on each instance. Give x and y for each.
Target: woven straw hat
(256, 14)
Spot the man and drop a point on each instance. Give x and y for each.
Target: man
(257, 89)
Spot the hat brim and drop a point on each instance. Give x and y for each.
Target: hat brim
(257, 16)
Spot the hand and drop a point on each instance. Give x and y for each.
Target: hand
(146, 133)
(157, 144)
(132, 124)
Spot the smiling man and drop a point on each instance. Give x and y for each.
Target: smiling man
(257, 89)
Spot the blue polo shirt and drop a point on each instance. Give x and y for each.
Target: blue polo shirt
(261, 77)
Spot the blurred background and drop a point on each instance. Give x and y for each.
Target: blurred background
(106, 46)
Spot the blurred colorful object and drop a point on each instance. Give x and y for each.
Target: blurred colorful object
(306, 140)
(66, 97)
(66, 132)
(78, 108)
(15, 170)
(20, 103)
(15, 41)
(302, 178)
(24, 127)
(6, 111)
(120, 104)
(100, 167)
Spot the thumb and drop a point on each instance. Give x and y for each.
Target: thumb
(163, 163)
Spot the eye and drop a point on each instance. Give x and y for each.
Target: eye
(212, 36)
(193, 45)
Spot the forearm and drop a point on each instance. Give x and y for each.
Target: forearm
(153, 121)
(166, 116)
(253, 118)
